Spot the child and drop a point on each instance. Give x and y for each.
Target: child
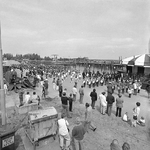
(141, 121)
(126, 119)
(70, 102)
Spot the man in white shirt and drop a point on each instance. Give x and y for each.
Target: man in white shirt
(74, 91)
(63, 133)
(135, 87)
(103, 103)
(27, 98)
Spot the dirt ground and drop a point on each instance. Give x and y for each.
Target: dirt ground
(108, 128)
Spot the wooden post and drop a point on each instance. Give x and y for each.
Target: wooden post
(2, 93)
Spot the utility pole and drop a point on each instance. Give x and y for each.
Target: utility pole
(2, 93)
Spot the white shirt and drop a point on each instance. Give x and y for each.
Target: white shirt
(134, 86)
(102, 99)
(125, 118)
(5, 86)
(62, 123)
(136, 112)
(27, 98)
(74, 90)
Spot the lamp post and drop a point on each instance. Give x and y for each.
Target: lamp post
(2, 93)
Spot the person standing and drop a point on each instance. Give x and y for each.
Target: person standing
(21, 98)
(74, 91)
(135, 87)
(46, 87)
(136, 112)
(109, 88)
(63, 133)
(103, 103)
(78, 133)
(119, 105)
(70, 102)
(110, 100)
(93, 96)
(60, 90)
(64, 100)
(81, 92)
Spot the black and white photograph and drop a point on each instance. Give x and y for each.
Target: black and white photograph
(74, 74)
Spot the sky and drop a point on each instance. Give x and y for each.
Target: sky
(97, 29)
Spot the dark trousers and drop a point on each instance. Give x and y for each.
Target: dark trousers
(129, 95)
(70, 106)
(118, 111)
(60, 94)
(93, 104)
(109, 109)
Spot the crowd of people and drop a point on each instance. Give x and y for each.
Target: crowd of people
(106, 100)
(117, 83)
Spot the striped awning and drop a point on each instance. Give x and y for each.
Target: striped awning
(139, 60)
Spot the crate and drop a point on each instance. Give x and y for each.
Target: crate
(42, 123)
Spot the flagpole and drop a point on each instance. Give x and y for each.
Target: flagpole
(2, 93)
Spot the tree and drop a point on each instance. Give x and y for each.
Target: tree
(18, 56)
(8, 56)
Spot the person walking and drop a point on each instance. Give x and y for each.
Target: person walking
(88, 118)
(81, 92)
(78, 133)
(93, 96)
(63, 133)
(119, 105)
(110, 100)
(103, 103)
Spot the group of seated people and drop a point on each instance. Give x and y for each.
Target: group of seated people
(28, 99)
(126, 118)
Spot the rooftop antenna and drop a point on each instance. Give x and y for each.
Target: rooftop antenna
(55, 57)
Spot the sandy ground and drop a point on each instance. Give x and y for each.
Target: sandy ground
(108, 128)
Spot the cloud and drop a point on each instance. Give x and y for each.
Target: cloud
(19, 33)
(75, 27)
(122, 40)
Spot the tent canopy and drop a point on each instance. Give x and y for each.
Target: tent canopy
(139, 60)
